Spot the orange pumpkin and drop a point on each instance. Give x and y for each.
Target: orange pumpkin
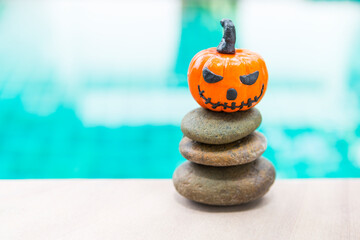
(227, 79)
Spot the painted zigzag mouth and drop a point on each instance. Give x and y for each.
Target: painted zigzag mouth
(233, 104)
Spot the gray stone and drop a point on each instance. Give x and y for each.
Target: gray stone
(242, 151)
(211, 127)
(224, 186)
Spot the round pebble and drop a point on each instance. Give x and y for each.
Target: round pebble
(224, 186)
(242, 151)
(211, 127)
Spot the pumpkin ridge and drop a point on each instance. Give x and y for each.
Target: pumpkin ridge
(209, 61)
(203, 60)
(199, 55)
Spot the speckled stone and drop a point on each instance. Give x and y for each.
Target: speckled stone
(211, 127)
(242, 151)
(224, 186)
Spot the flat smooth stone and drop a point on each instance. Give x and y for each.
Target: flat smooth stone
(224, 186)
(242, 151)
(211, 127)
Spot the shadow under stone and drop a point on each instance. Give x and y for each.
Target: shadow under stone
(259, 203)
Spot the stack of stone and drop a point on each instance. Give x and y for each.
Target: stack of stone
(224, 150)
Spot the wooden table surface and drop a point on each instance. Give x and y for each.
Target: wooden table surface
(151, 209)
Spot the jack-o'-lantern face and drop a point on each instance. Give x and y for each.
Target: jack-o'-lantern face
(227, 79)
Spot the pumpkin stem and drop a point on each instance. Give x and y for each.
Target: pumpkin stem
(227, 44)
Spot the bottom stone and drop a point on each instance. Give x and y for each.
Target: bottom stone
(224, 186)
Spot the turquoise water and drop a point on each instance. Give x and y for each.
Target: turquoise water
(79, 98)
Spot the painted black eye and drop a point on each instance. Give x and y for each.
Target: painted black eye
(249, 79)
(211, 77)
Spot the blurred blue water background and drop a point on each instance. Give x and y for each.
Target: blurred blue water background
(97, 89)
